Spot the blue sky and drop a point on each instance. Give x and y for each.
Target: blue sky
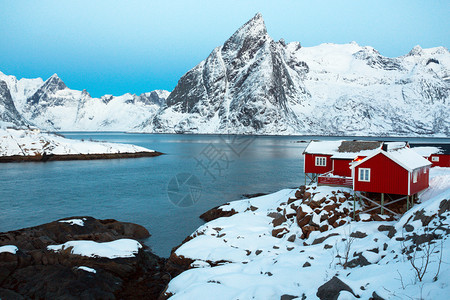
(114, 47)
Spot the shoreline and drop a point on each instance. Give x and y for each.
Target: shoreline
(67, 157)
(426, 136)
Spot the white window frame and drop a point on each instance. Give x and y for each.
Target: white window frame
(362, 172)
(435, 158)
(321, 161)
(415, 176)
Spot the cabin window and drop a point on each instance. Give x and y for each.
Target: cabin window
(415, 176)
(435, 158)
(364, 174)
(321, 161)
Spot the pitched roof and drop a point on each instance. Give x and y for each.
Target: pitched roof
(358, 146)
(322, 147)
(431, 148)
(405, 157)
(349, 149)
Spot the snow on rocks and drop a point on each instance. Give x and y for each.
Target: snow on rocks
(102, 259)
(87, 269)
(121, 248)
(8, 249)
(356, 259)
(79, 222)
(33, 143)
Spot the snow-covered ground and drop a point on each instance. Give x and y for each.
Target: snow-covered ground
(238, 257)
(29, 142)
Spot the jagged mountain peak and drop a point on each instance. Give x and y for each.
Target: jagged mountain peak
(50, 86)
(240, 85)
(416, 50)
(254, 26)
(253, 30)
(55, 83)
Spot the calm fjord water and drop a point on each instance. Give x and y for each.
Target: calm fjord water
(136, 190)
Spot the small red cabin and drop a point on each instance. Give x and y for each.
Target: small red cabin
(401, 171)
(321, 157)
(437, 154)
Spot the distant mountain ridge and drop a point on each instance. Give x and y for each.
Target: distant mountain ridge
(255, 85)
(51, 105)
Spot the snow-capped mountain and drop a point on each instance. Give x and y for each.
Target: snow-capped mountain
(13, 93)
(8, 112)
(51, 105)
(253, 84)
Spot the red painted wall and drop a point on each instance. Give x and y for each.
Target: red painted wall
(310, 164)
(385, 176)
(444, 160)
(422, 183)
(341, 167)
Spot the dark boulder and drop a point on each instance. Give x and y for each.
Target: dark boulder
(331, 289)
(358, 234)
(360, 261)
(391, 230)
(215, 213)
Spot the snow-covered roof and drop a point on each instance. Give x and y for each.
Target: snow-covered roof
(353, 155)
(390, 146)
(405, 157)
(322, 147)
(408, 158)
(429, 149)
(342, 149)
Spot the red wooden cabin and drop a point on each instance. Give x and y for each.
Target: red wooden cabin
(325, 156)
(402, 172)
(332, 159)
(437, 154)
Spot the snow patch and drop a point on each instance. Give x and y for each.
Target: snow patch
(9, 249)
(87, 269)
(116, 249)
(79, 222)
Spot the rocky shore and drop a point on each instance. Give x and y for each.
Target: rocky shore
(31, 268)
(253, 248)
(61, 157)
(315, 242)
(27, 144)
